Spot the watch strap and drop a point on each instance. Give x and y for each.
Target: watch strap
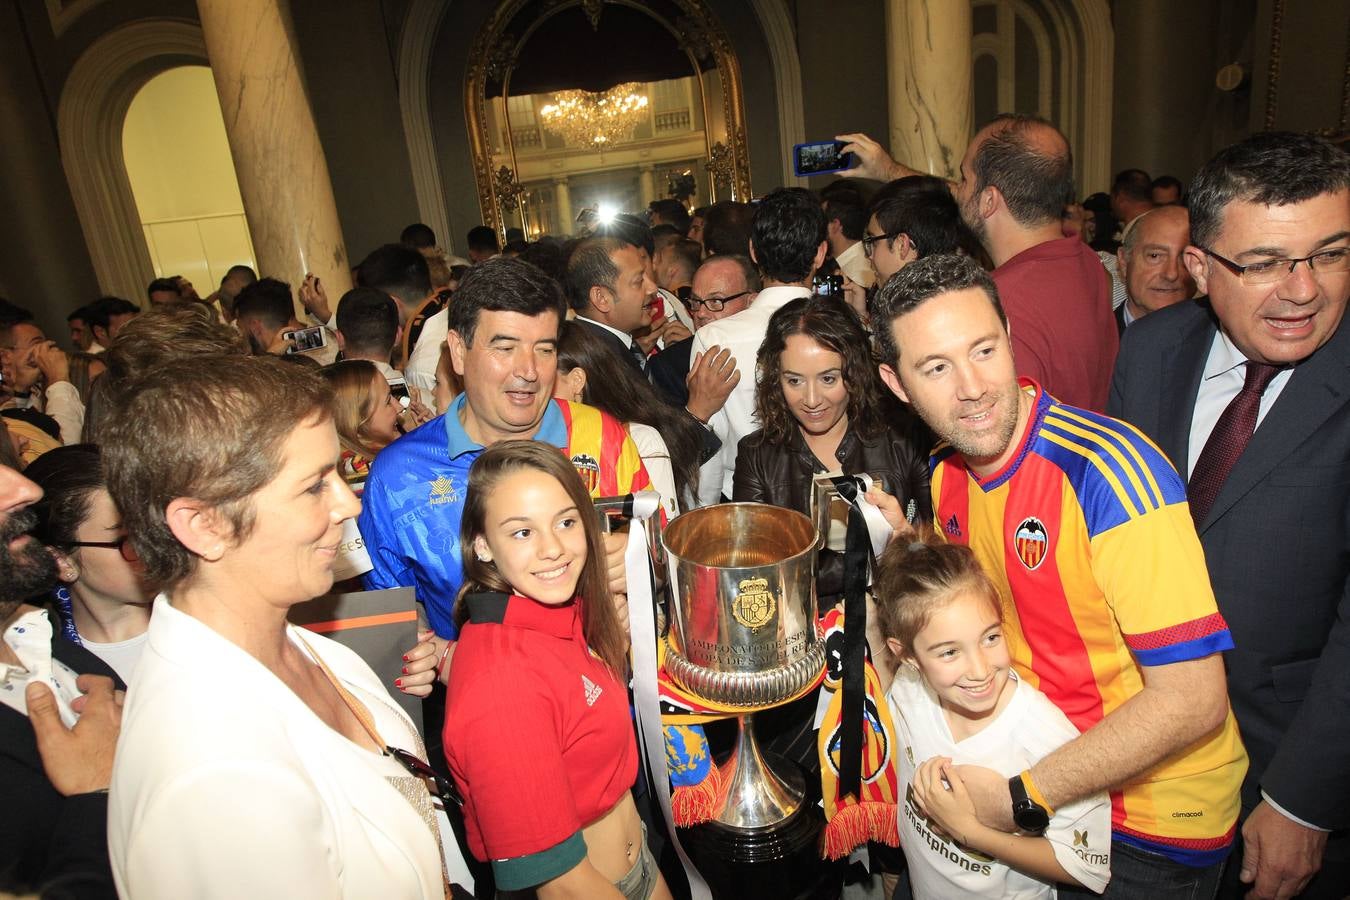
(1034, 792)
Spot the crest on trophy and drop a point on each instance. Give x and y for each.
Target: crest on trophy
(754, 605)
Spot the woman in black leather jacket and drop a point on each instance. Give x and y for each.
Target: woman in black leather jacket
(823, 409)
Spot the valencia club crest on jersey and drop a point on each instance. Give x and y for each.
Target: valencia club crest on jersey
(1031, 542)
(589, 469)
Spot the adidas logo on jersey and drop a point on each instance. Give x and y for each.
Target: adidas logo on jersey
(953, 527)
(593, 690)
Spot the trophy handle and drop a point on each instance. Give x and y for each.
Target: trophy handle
(615, 513)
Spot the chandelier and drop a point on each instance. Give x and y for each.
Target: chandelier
(599, 119)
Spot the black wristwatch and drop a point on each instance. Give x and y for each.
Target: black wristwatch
(1031, 818)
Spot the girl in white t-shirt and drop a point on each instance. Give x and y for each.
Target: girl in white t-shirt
(957, 701)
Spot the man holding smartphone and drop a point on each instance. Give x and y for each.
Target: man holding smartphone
(265, 315)
(1014, 177)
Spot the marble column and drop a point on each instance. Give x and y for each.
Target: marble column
(282, 172)
(928, 69)
(646, 185)
(562, 203)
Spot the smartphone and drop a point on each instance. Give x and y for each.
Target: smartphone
(399, 389)
(820, 158)
(828, 286)
(305, 339)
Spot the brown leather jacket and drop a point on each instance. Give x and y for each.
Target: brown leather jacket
(781, 474)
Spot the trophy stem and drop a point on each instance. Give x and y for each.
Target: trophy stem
(754, 796)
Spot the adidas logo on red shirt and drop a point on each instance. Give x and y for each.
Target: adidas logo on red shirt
(593, 690)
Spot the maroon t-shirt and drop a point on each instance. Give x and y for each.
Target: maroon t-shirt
(1058, 299)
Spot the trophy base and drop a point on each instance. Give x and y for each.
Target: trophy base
(777, 862)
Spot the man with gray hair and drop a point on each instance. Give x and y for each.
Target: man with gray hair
(1151, 263)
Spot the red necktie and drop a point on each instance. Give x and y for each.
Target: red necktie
(1228, 439)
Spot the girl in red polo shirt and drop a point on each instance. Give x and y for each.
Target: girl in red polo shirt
(537, 729)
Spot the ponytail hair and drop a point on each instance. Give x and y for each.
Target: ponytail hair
(918, 576)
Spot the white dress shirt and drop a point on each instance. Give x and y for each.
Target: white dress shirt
(391, 375)
(742, 334)
(1225, 372)
(675, 310)
(655, 456)
(621, 335)
(62, 402)
(420, 369)
(854, 264)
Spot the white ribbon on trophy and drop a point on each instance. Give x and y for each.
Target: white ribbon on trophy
(638, 508)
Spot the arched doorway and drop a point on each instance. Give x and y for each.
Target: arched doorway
(178, 161)
(416, 46)
(91, 113)
(1054, 59)
(667, 43)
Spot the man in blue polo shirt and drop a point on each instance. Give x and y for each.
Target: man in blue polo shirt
(503, 337)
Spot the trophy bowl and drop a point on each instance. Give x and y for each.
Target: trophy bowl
(743, 602)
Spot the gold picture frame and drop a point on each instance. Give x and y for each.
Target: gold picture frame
(695, 29)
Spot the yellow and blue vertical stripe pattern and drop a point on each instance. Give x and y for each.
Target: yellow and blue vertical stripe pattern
(1088, 536)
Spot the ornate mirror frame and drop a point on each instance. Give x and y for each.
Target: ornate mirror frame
(696, 31)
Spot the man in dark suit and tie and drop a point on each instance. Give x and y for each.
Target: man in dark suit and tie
(1248, 391)
(610, 290)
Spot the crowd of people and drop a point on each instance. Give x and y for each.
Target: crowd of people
(1112, 626)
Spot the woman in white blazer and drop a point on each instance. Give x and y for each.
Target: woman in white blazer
(255, 760)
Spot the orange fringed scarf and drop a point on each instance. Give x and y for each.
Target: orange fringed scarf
(852, 821)
(695, 779)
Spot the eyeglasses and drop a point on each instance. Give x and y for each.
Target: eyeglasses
(415, 767)
(121, 545)
(714, 304)
(1269, 271)
(869, 241)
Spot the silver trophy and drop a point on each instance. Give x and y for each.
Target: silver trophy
(743, 633)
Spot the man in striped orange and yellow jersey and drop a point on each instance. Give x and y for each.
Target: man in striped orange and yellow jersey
(1083, 524)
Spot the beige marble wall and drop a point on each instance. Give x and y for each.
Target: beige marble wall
(283, 176)
(928, 63)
